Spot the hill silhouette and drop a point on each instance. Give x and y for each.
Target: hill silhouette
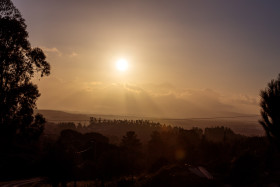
(247, 125)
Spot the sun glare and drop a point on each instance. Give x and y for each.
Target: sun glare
(122, 64)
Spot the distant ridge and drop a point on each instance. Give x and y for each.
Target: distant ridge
(242, 124)
(56, 115)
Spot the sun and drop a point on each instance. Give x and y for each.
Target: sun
(122, 64)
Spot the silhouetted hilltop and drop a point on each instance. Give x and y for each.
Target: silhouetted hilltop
(237, 122)
(56, 116)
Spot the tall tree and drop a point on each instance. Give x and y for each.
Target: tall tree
(132, 153)
(130, 141)
(19, 63)
(270, 110)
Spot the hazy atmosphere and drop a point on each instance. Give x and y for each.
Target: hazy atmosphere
(139, 93)
(182, 59)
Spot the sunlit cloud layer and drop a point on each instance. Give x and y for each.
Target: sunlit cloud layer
(140, 100)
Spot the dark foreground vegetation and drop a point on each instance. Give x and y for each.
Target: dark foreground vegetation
(171, 157)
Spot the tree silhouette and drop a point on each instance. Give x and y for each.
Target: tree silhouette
(130, 141)
(131, 153)
(19, 63)
(270, 110)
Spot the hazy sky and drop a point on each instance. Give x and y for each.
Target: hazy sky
(186, 58)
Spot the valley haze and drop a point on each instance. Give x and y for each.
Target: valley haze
(240, 123)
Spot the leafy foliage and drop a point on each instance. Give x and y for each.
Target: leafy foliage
(19, 63)
(270, 110)
(130, 140)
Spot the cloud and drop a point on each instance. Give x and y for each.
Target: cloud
(133, 88)
(160, 89)
(73, 54)
(245, 99)
(50, 51)
(157, 100)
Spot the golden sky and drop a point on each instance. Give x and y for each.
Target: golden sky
(185, 58)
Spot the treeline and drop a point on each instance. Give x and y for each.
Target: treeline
(169, 158)
(113, 129)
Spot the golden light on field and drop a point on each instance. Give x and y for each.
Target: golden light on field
(122, 64)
